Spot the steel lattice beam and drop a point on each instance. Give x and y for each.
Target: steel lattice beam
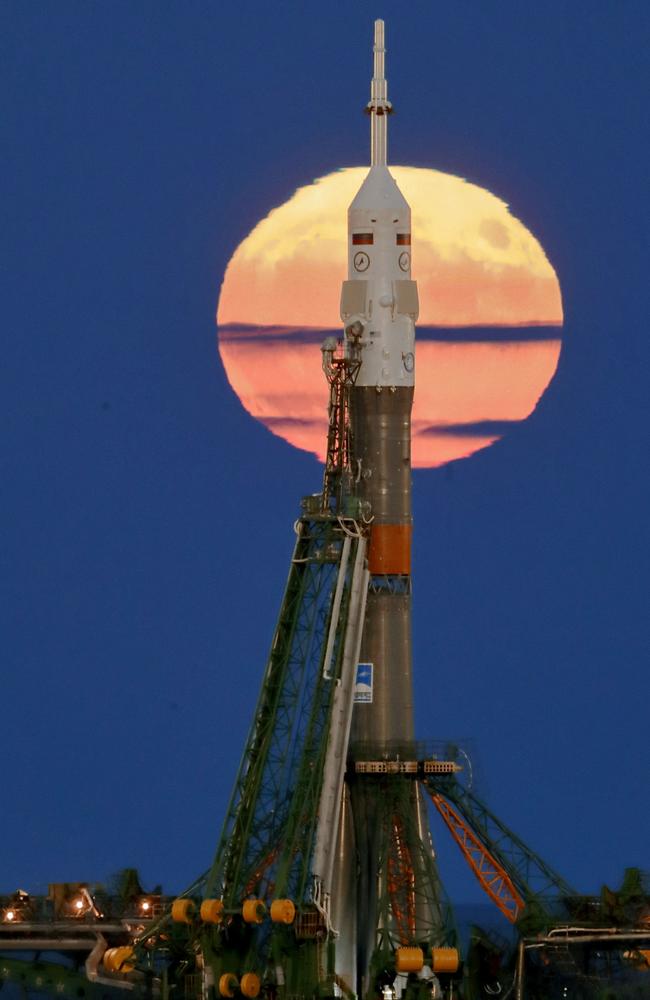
(492, 877)
(533, 879)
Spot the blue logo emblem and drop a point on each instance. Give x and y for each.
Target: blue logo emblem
(363, 685)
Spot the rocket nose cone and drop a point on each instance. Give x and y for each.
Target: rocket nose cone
(379, 189)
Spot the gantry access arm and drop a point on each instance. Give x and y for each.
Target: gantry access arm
(514, 876)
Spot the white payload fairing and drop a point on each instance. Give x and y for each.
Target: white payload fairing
(379, 295)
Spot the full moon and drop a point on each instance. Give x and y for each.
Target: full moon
(488, 336)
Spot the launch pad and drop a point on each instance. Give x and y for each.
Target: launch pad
(325, 881)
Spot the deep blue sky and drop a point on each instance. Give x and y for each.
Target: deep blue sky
(146, 518)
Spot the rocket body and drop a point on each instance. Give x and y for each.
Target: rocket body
(379, 308)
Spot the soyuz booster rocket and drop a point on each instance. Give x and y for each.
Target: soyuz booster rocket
(379, 303)
(379, 308)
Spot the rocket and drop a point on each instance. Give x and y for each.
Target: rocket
(379, 308)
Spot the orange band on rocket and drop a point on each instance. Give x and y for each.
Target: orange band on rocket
(390, 549)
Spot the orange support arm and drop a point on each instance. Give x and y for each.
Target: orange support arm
(493, 878)
(401, 883)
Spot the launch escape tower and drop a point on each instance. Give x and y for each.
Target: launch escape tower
(324, 882)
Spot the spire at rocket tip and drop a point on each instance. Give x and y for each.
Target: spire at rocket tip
(379, 34)
(379, 52)
(379, 106)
